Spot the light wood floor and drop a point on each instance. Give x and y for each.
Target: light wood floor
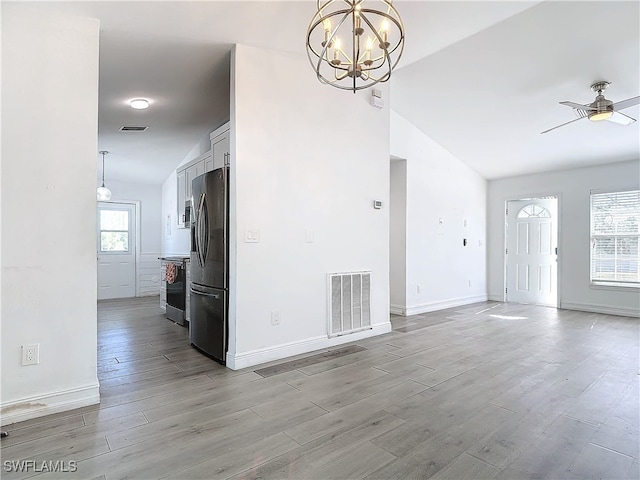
(484, 391)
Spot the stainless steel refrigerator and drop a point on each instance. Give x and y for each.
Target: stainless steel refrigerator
(209, 291)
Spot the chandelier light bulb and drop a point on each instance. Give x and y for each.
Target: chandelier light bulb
(372, 35)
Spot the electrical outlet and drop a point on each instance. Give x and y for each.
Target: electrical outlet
(418, 289)
(31, 354)
(275, 318)
(469, 282)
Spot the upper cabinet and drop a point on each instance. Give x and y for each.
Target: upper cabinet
(182, 194)
(185, 175)
(220, 146)
(217, 157)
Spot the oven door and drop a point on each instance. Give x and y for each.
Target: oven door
(176, 294)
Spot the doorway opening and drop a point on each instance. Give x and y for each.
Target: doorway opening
(531, 253)
(398, 236)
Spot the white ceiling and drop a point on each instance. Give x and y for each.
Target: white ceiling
(487, 98)
(481, 78)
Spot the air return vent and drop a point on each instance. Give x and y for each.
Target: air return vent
(349, 302)
(133, 128)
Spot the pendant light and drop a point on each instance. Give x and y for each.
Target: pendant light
(103, 192)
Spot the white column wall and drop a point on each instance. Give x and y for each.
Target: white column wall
(49, 151)
(308, 160)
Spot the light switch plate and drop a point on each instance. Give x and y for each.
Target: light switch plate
(252, 235)
(308, 236)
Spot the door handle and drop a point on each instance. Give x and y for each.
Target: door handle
(211, 295)
(201, 258)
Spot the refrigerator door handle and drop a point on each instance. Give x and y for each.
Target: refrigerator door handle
(198, 236)
(205, 230)
(211, 295)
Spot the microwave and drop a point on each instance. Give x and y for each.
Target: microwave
(187, 213)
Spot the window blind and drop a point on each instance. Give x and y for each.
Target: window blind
(615, 235)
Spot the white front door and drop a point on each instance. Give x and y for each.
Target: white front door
(532, 238)
(116, 250)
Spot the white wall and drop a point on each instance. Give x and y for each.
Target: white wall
(150, 198)
(439, 186)
(398, 236)
(307, 159)
(49, 143)
(175, 241)
(573, 189)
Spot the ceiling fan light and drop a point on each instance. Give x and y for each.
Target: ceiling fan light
(598, 116)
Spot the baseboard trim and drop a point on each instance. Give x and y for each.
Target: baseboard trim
(256, 357)
(149, 293)
(41, 405)
(606, 309)
(397, 310)
(434, 306)
(496, 298)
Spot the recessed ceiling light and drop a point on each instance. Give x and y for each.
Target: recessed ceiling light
(139, 103)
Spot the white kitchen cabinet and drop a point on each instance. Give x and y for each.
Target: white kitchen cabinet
(182, 191)
(185, 175)
(220, 146)
(192, 172)
(208, 164)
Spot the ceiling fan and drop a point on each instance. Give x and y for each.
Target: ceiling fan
(601, 108)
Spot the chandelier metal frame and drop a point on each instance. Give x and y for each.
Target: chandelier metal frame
(360, 66)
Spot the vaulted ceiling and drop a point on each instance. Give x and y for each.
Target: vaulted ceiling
(480, 78)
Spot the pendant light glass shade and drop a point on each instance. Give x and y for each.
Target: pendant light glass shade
(103, 193)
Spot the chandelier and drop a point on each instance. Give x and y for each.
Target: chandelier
(354, 44)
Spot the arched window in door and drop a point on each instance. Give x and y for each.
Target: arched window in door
(533, 210)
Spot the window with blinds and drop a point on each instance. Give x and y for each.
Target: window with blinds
(615, 235)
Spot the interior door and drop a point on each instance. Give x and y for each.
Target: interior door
(116, 250)
(532, 239)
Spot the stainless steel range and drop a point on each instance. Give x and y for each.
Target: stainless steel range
(176, 289)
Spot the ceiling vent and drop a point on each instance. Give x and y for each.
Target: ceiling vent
(133, 128)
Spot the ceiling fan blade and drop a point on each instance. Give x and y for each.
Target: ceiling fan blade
(621, 118)
(577, 105)
(562, 125)
(629, 102)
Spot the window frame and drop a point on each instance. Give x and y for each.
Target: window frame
(604, 283)
(127, 230)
